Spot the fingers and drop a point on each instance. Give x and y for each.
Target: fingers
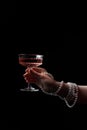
(24, 75)
(27, 70)
(29, 78)
(41, 75)
(35, 73)
(39, 70)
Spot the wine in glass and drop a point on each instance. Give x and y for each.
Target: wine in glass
(30, 60)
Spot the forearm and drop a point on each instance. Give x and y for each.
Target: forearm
(82, 94)
(71, 93)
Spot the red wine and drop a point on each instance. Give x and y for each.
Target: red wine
(30, 61)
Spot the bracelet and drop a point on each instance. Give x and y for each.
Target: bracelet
(59, 88)
(72, 95)
(57, 91)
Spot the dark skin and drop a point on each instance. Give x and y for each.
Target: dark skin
(47, 83)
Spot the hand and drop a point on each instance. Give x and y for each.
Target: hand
(44, 80)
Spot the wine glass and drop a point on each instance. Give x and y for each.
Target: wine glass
(30, 60)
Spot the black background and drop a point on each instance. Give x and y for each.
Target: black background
(32, 30)
(65, 61)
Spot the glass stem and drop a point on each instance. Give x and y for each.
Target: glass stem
(28, 86)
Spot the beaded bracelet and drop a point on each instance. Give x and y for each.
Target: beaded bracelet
(56, 93)
(59, 88)
(72, 95)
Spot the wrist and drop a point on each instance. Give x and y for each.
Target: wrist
(58, 88)
(64, 90)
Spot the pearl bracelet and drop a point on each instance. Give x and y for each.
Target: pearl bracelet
(72, 95)
(57, 91)
(59, 88)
